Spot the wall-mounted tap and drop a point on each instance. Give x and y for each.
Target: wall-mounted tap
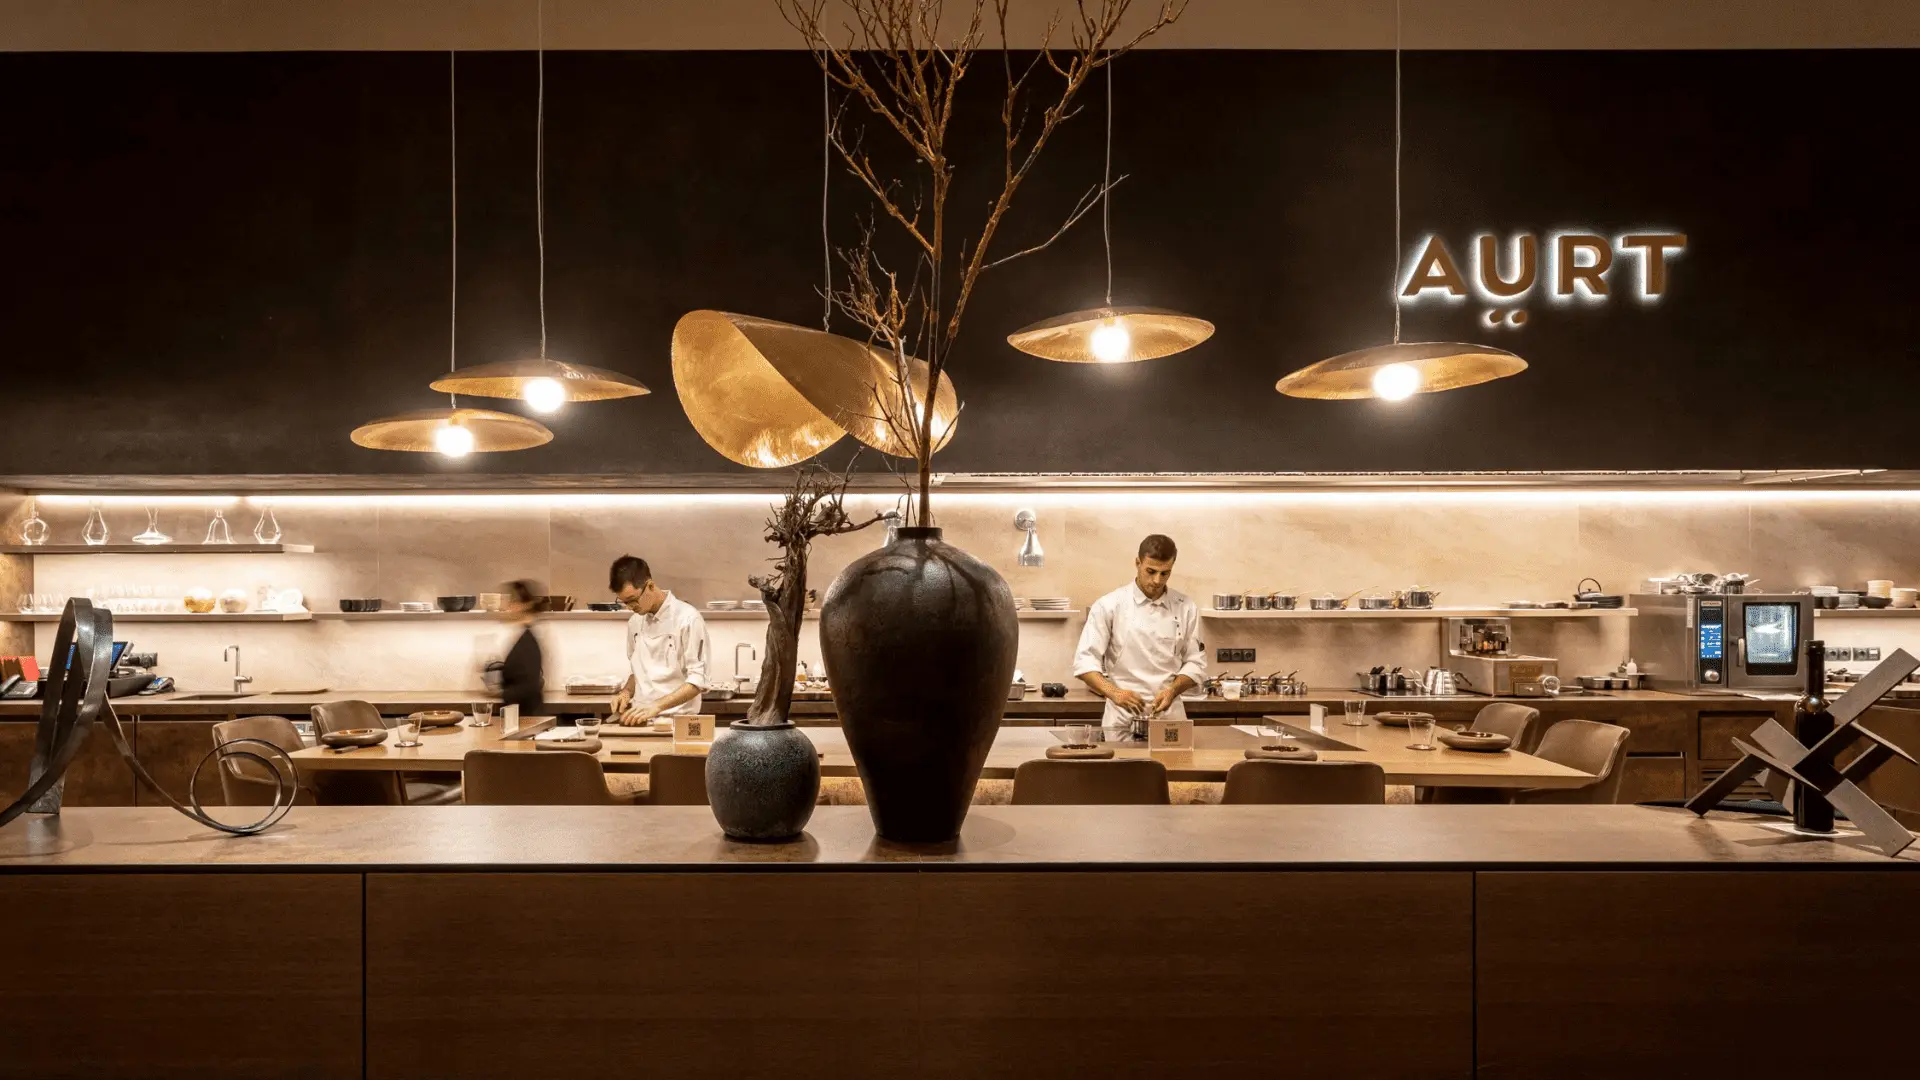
(239, 681)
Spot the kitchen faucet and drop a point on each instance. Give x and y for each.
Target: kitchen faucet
(239, 681)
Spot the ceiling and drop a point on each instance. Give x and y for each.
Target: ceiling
(298, 25)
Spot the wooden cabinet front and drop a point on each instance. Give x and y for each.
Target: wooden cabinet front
(97, 776)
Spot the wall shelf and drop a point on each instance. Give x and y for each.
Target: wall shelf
(175, 617)
(570, 616)
(156, 549)
(1867, 613)
(1429, 613)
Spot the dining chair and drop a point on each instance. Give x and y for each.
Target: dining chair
(534, 778)
(245, 782)
(677, 780)
(1359, 783)
(1122, 782)
(411, 789)
(1509, 719)
(1600, 749)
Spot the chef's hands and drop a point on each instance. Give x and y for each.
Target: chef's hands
(635, 715)
(1164, 700)
(1128, 701)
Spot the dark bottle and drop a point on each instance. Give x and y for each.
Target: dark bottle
(1811, 723)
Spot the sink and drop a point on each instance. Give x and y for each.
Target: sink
(212, 697)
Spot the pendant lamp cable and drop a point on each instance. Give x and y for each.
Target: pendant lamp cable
(1106, 184)
(826, 175)
(540, 161)
(1395, 283)
(453, 173)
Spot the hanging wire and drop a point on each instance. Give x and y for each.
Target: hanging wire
(826, 175)
(1396, 172)
(1106, 184)
(453, 156)
(540, 162)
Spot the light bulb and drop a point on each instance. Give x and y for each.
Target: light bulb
(1110, 343)
(1396, 382)
(453, 440)
(544, 395)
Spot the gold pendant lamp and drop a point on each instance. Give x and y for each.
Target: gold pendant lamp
(1399, 370)
(543, 383)
(1109, 334)
(769, 394)
(452, 432)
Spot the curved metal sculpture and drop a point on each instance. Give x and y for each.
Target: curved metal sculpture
(76, 696)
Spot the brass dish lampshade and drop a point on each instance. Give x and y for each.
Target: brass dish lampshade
(770, 394)
(1395, 372)
(1108, 335)
(542, 383)
(453, 432)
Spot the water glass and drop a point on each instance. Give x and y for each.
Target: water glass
(406, 733)
(589, 725)
(1421, 728)
(1356, 713)
(482, 714)
(1080, 734)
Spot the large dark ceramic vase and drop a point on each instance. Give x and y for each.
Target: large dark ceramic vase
(919, 639)
(762, 782)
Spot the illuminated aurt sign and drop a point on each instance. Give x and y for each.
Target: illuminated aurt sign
(1566, 267)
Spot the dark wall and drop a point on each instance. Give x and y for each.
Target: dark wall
(223, 263)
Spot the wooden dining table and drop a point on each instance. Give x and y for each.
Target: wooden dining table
(1215, 750)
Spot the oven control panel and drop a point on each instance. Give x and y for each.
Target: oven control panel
(1712, 642)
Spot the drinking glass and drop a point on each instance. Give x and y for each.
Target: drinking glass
(1421, 728)
(482, 714)
(1080, 734)
(589, 725)
(406, 733)
(1356, 712)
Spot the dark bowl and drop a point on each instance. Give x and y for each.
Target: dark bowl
(360, 606)
(456, 603)
(603, 607)
(1875, 602)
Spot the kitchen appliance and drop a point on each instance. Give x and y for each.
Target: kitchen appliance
(1719, 641)
(1480, 654)
(1598, 596)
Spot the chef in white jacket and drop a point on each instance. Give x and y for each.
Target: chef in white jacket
(666, 647)
(1141, 648)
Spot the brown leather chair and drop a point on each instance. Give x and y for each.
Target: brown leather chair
(1600, 749)
(412, 789)
(1506, 718)
(346, 716)
(1120, 782)
(677, 780)
(245, 782)
(534, 778)
(1359, 783)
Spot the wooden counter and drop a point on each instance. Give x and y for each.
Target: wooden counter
(1292, 941)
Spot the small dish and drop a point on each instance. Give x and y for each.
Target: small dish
(354, 737)
(1486, 742)
(1400, 719)
(415, 606)
(437, 717)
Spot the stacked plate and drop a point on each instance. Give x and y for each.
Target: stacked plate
(723, 605)
(1049, 603)
(753, 605)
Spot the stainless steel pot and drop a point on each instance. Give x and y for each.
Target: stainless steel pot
(1375, 603)
(1284, 601)
(1418, 598)
(1257, 602)
(1327, 602)
(1253, 685)
(1226, 602)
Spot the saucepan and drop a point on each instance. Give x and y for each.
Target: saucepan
(1326, 602)
(1227, 601)
(1284, 601)
(1375, 603)
(1419, 597)
(1257, 602)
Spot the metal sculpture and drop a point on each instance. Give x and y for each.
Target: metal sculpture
(76, 696)
(1814, 781)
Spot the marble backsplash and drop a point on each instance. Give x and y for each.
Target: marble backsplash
(1476, 548)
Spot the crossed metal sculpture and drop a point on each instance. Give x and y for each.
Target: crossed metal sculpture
(1791, 770)
(75, 698)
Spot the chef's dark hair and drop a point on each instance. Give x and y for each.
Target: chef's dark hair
(629, 570)
(1158, 547)
(523, 591)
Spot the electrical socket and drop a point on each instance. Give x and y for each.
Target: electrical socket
(1233, 656)
(1869, 653)
(1840, 653)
